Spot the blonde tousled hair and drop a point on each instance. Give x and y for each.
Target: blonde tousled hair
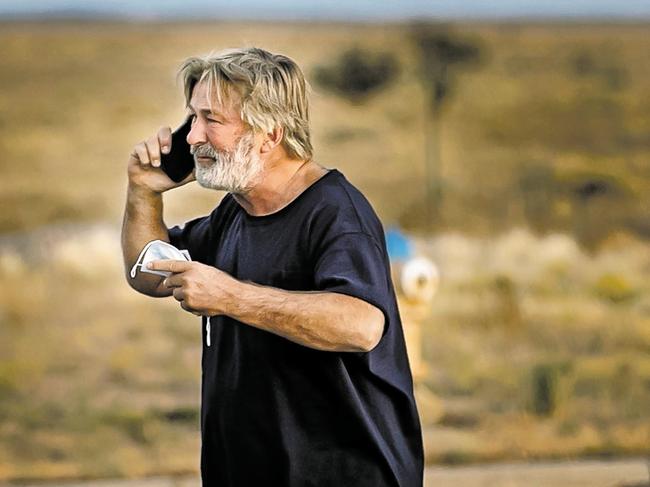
(270, 90)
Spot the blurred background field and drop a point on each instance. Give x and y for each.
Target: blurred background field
(527, 181)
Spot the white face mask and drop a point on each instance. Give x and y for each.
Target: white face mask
(158, 250)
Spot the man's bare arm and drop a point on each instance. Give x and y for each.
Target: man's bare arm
(143, 214)
(320, 320)
(143, 222)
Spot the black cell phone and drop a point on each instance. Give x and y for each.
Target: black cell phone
(179, 163)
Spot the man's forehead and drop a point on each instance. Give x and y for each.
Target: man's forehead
(201, 101)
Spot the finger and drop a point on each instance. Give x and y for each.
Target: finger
(179, 294)
(142, 153)
(165, 139)
(187, 308)
(170, 265)
(153, 147)
(175, 280)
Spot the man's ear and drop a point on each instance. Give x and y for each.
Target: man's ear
(272, 139)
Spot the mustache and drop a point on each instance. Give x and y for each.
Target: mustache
(203, 150)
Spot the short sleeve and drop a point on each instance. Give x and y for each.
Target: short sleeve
(191, 235)
(353, 264)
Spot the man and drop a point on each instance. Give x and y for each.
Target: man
(305, 375)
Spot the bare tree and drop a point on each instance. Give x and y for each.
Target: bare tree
(358, 74)
(441, 56)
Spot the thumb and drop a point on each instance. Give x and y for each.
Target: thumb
(190, 177)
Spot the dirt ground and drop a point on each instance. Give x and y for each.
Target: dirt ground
(620, 473)
(624, 473)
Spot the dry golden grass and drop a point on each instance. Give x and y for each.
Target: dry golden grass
(96, 380)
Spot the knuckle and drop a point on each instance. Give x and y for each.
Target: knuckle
(142, 154)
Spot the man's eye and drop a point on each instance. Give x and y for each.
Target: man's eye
(212, 120)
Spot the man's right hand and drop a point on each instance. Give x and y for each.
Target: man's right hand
(144, 164)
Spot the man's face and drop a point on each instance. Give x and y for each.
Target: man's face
(225, 155)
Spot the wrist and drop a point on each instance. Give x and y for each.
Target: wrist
(238, 292)
(142, 192)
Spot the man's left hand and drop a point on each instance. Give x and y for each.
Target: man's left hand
(201, 289)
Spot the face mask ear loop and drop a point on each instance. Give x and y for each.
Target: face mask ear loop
(139, 259)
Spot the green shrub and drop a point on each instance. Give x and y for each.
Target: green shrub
(614, 288)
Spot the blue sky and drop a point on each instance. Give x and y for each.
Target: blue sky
(338, 9)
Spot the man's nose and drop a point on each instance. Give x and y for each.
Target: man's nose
(197, 134)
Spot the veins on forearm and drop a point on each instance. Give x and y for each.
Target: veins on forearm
(320, 320)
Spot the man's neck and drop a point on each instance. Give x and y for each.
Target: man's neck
(281, 182)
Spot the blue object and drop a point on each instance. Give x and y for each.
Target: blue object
(399, 246)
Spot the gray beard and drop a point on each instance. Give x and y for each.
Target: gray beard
(237, 171)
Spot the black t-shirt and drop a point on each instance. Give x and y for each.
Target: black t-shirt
(277, 413)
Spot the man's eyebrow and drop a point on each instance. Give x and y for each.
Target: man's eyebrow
(206, 111)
